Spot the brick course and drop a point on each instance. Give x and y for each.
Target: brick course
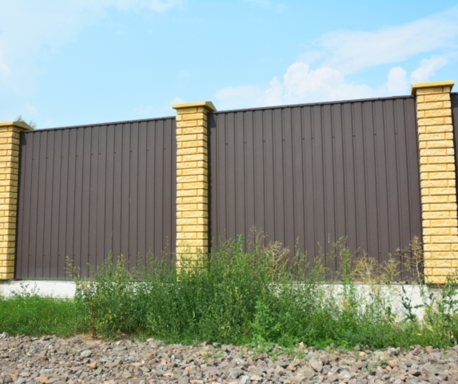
(9, 165)
(437, 175)
(192, 181)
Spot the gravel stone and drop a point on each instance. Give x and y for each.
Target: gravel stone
(87, 353)
(52, 360)
(316, 365)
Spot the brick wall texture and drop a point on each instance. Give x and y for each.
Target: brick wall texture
(192, 182)
(437, 175)
(9, 169)
(438, 182)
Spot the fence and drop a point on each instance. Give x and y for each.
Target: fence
(90, 190)
(454, 105)
(315, 173)
(365, 169)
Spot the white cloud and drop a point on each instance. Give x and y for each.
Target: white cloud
(145, 109)
(351, 51)
(28, 28)
(159, 111)
(428, 68)
(4, 70)
(340, 53)
(262, 3)
(243, 96)
(152, 5)
(266, 4)
(300, 85)
(31, 109)
(177, 100)
(397, 81)
(322, 84)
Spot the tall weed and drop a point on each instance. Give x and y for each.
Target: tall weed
(260, 295)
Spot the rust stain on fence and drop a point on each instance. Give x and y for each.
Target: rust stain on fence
(85, 191)
(315, 173)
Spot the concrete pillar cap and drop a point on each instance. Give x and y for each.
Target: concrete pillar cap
(18, 124)
(206, 104)
(435, 84)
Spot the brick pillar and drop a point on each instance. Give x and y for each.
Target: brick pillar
(192, 181)
(9, 170)
(438, 179)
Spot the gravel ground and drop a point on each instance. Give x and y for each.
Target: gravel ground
(50, 359)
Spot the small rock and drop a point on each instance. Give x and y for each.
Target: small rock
(316, 365)
(244, 379)
(429, 368)
(126, 375)
(235, 373)
(278, 370)
(346, 375)
(306, 372)
(324, 359)
(46, 372)
(87, 353)
(429, 349)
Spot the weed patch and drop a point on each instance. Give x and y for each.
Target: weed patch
(258, 297)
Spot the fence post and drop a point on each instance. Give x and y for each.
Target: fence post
(192, 181)
(438, 179)
(9, 171)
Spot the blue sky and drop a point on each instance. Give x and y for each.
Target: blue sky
(84, 61)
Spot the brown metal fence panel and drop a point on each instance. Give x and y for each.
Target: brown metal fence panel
(315, 173)
(454, 99)
(89, 190)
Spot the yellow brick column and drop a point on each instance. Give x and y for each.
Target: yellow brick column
(438, 179)
(192, 182)
(9, 170)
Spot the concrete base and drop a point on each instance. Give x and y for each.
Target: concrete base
(54, 288)
(393, 293)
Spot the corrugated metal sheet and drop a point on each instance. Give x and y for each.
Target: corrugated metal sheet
(454, 98)
(88, 190)
(318, 172)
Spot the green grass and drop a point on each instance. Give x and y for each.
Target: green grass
(30, 314)
(259, 297)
